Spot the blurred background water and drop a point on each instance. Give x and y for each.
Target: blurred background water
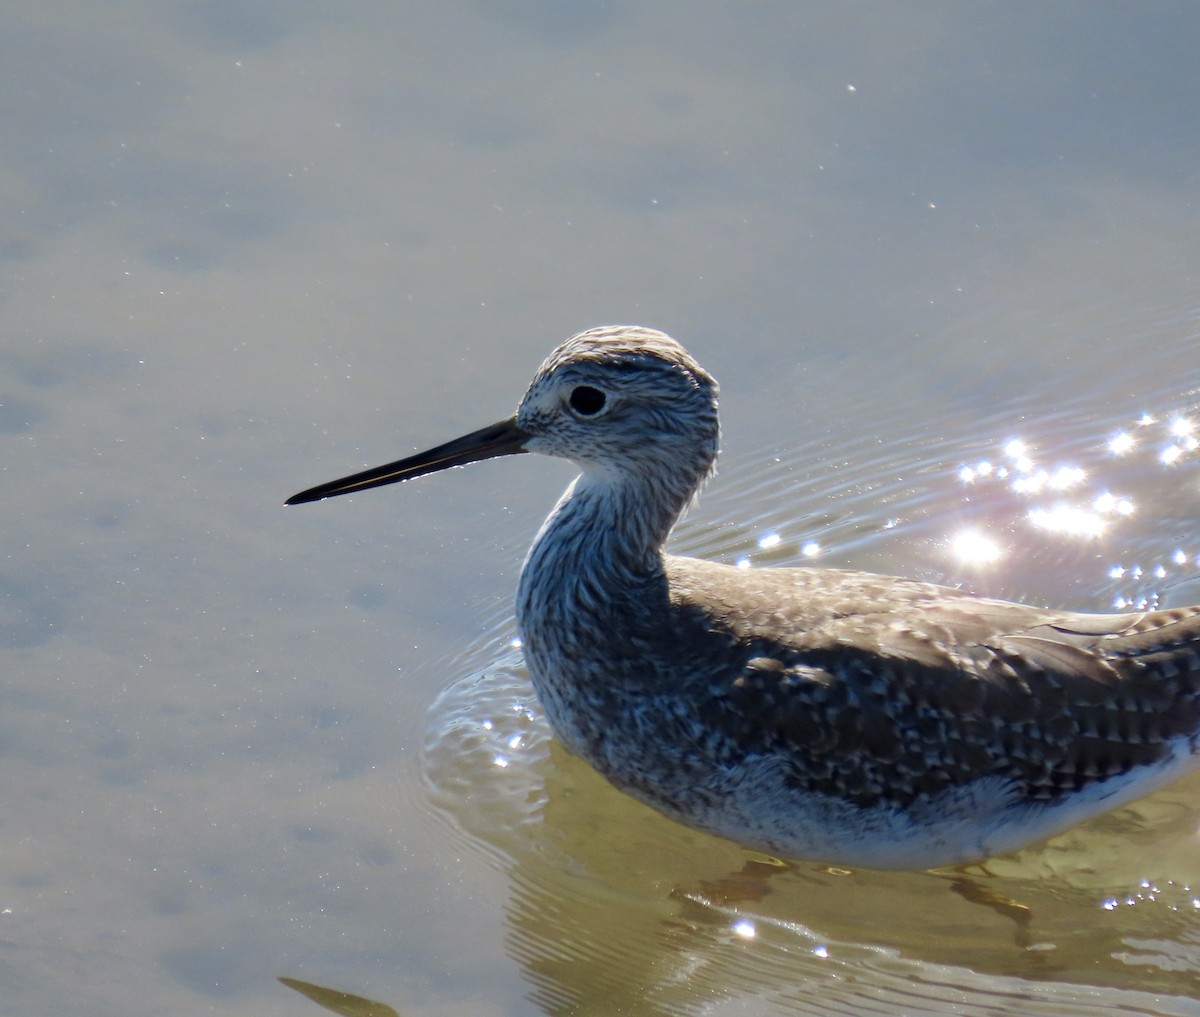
(942, 259)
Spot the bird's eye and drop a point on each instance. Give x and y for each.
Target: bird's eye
(587, 401)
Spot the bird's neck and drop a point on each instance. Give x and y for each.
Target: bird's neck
(597, 556)
(591, 583)
(613, 530)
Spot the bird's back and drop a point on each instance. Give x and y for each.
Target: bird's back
(884, 689)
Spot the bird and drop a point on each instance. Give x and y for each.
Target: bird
(822, 714)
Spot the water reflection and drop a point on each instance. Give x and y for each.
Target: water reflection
(336, 1001)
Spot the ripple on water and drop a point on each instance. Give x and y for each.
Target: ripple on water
(608, 900)
(486, 748)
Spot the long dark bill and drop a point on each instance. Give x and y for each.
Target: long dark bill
(501, 439)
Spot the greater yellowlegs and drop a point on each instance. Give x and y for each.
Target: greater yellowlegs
(811, 713)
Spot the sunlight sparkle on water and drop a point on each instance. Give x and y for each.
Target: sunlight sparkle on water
(1018, 452)
(1031, 483)
(975, 548)
(810, 549)
(1060, 480)
(1075, 504)
(745, 929)
(1067, 476)
(1068, 519)
(1107, 503)
(769, 540)
(1121, 443)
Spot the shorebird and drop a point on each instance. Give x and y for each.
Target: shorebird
(823, 714)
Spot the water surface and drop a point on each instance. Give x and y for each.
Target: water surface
(941, 259)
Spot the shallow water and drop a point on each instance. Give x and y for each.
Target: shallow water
(254, 246)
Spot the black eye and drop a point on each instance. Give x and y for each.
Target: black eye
(587, 401)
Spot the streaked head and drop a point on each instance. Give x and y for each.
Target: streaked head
(623, 398)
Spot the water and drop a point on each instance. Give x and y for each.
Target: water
(253, 246)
